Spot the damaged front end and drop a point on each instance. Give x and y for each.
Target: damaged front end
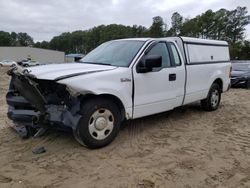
(36, 105)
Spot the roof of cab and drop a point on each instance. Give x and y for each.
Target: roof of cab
(136, 39)
(185, 39)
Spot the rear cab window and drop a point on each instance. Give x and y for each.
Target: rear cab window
(175, 54)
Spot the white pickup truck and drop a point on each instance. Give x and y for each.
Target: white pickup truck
(119, 80)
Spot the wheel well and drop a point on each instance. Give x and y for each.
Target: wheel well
(112, 98)
(220, 83)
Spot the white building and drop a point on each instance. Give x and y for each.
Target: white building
(36, 54)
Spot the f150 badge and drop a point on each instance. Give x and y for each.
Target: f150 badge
(125, 80)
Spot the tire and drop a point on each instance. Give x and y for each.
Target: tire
(1, 65)
(100, 123)
(248, 84)
(212, 101)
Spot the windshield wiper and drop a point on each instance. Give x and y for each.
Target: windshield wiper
(103, 63)
(97, 63)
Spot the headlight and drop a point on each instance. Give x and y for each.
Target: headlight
(72, 92)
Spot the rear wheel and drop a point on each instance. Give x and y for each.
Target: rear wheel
(212, 101)
(100, 123)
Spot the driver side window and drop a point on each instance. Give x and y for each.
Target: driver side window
(161, 50)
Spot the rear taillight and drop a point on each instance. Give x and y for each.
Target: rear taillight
(230, 72)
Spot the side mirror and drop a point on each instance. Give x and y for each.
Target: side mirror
(153, 61)
(150, 62)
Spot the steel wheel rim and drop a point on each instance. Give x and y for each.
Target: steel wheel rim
(101, 124)
(215, 98)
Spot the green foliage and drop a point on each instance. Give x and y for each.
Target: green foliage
(5, 38)
(24, 39)
(157, 28)
(240, 50)
(15, 39)
(43, 44)
(237, 20)
(220, 25)
(190, 28)
(206, 24)
(85, 41)
(220, 18)
(245, 50)
(177, 22)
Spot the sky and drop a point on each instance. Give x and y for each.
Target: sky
(44, 19)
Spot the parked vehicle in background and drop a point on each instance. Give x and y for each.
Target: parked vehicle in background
(21, 62)
(119, 80)
(7, 62)
(28, 63)
(240, 76)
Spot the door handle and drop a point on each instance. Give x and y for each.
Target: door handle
(172, 77)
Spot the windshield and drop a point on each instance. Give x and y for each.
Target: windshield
(115, 53)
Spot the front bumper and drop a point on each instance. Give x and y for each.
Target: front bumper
(240, 82)
(29, 108)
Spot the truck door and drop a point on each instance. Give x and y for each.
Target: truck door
(162, 88)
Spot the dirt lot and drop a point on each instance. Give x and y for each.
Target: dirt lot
(184, 148)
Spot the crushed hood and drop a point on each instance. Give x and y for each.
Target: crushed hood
(65, 70)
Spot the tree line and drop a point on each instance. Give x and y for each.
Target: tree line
(15, 39)
(228, 25)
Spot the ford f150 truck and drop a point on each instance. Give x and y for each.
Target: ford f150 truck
(119, 80)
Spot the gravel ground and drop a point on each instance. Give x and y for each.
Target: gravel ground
(186, 147)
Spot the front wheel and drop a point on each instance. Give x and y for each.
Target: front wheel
(100, 123)
(212, 101)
